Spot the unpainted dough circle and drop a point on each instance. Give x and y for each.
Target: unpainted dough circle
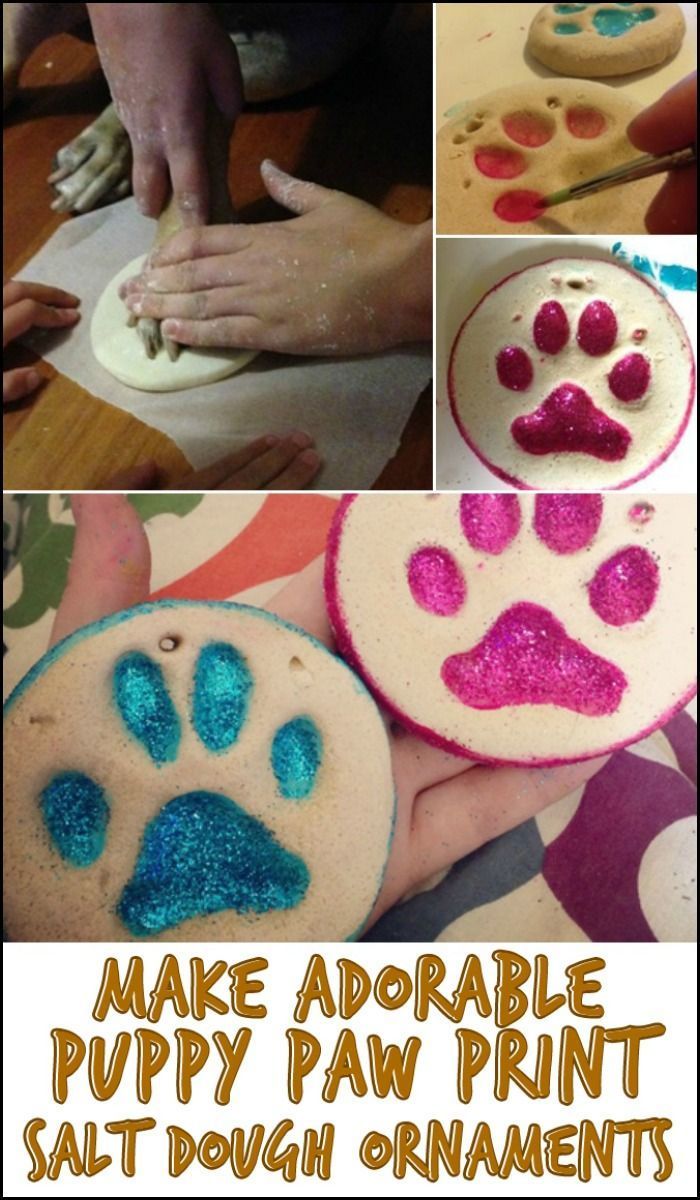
(118, 348)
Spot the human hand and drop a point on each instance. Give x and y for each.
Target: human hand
(23, 306)
(273, 463)
(163, 63)
(671, 124)
(339, 278)
(446, 806)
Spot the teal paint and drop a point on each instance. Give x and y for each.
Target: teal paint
(221, 697)
(610, 22)
(565, 28)
(670, 275)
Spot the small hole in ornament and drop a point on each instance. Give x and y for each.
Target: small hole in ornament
(576, 284)
(169, 643)
(301, 674)
(474, 125)
(553, 102)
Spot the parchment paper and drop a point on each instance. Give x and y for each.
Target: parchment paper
(355, 408)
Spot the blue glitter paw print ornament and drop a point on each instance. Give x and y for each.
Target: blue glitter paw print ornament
(595, 40)
(193, 771)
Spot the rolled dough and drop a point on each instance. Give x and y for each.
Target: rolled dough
(118, 348)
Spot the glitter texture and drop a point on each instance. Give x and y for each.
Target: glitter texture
(610, 22)
(567, 523)
(585, 122)
(514, 368)
(569, 422)
(295, 757)
(567, 28)
(222, 688)
(489, 522)
(569, 8)
(624, 587)
(629, 378)
(641, 514)
(528, 128)
(597, 329)
(551, 328)
(519, 206)
(146, 709)
(497, 162)
(436, 581)
(203, 854)
(527, 657)
(76, 814)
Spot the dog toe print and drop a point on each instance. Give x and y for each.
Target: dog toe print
(194, 770)
(202, 852)
(572, 371)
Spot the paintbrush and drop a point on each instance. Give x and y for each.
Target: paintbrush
(638, 168)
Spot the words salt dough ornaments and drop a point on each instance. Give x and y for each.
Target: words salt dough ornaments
(531, 630)
(572, 373)
(507, 150)
(592, 40)
(194, 772)
(118, 348)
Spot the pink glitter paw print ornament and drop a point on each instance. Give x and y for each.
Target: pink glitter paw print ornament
(572, 374)
(529, 630)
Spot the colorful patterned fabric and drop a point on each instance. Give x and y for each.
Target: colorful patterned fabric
(613, 862)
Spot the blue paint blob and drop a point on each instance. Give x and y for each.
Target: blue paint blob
(295, 756)
(672, 275)
(569, 8)
(610, 22)
(222, 687)
(76, 814)
(204, 854)
(144, 704)
(565, 28)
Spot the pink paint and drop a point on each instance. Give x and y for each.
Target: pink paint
(527, 657)
(519, 206)
(597, 328)
(569, 422)
(436, 581)
(629, 378)
(514, 368)
(585, 122)
(569, 522)
(499, 163)
(641, 514)
(489, 522)
(624, 587)
(528, 128)
(551, 327)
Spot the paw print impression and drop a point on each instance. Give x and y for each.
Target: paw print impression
(500, 155)
(594, 40)
(205, 788)
(524, 629)
(589, 356)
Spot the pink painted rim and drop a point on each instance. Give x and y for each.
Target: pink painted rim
(350, 652)
(520, 483)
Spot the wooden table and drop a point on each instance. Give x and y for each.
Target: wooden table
(367, 132)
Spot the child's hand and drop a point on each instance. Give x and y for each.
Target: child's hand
(25, 305)
(272, 463)
(671, 124)
(339, 278)
(447, 806)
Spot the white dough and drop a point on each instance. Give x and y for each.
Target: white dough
(118, 348)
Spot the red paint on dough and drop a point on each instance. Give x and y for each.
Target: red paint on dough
(514, 368)
(585, 122)
(597, 329)
(484, 36)
(497, 162)
(519, 206)
(629, 378)
(528, 129)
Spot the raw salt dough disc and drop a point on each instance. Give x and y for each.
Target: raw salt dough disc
(118, 348)
(530, 630)
(593, 40)
(575, 373)
(513, 146)
(193, 772)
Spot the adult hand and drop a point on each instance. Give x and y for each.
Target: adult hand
(273, 463)
(23, 306)
(163, 63)
(446, 806)
(339, 278)
(671, 124)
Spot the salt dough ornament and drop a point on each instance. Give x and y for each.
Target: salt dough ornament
(575, 373)
(119, 350)
(193, 771)
(507, 150)
(594, 40)
(528, 630)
